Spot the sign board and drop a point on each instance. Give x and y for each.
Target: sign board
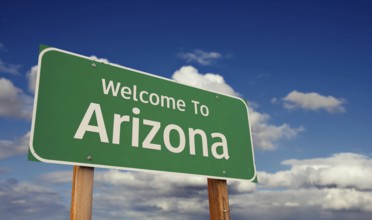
(90, 113)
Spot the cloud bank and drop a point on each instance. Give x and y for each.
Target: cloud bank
(339, 171)
(334, 187)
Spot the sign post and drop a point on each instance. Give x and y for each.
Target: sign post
(218, 199)
(82, 193)
(89, 113)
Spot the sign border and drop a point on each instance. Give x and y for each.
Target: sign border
(33, 152)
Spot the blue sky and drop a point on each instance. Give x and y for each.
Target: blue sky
(304, 67)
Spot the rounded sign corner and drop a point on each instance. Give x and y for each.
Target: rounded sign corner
(44, 51)
(33, 152)
(244, 101)
(254, 178)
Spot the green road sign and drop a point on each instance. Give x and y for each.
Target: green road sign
(91, 113)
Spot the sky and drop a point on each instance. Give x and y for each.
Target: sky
(303, 66)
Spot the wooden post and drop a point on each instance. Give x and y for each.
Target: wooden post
(82, 193)
(218, 200)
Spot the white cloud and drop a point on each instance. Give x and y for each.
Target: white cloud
(147, 203)
(31, 76)
(13, 148)
(58, 177)
(201, 57)
(30, 201)
(13, 102)
(313, 101)
(160, 182)
(239, 187)
(265, 135)
(149, 195)
(343, 170)
(266, 204)
(143, 195)
(131, 179)
(190, 76)
(311, 188)
(347, 199)
(302, 190)
(9, 68)
(103, 60)
(308, 203)
(157, 195)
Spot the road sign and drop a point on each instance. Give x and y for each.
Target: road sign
(91, 113)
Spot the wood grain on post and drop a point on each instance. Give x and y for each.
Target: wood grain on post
(82, 193)
(218, 200)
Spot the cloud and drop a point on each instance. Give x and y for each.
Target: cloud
(347, 199)
(30, 201)
(334, 187)
(308, 203)
(130, 179)
(275, 204)
(143, 195)
(9, 68)
(13, 102)
(201, 57)
(341, 182)
(316, 188)
(265, 135)
(313, 101)
(240, 187)
(31, 76)
(58, 177)
(103, 60)
(343, 170)
(13, 148)
(190, 76)
(149, 195)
